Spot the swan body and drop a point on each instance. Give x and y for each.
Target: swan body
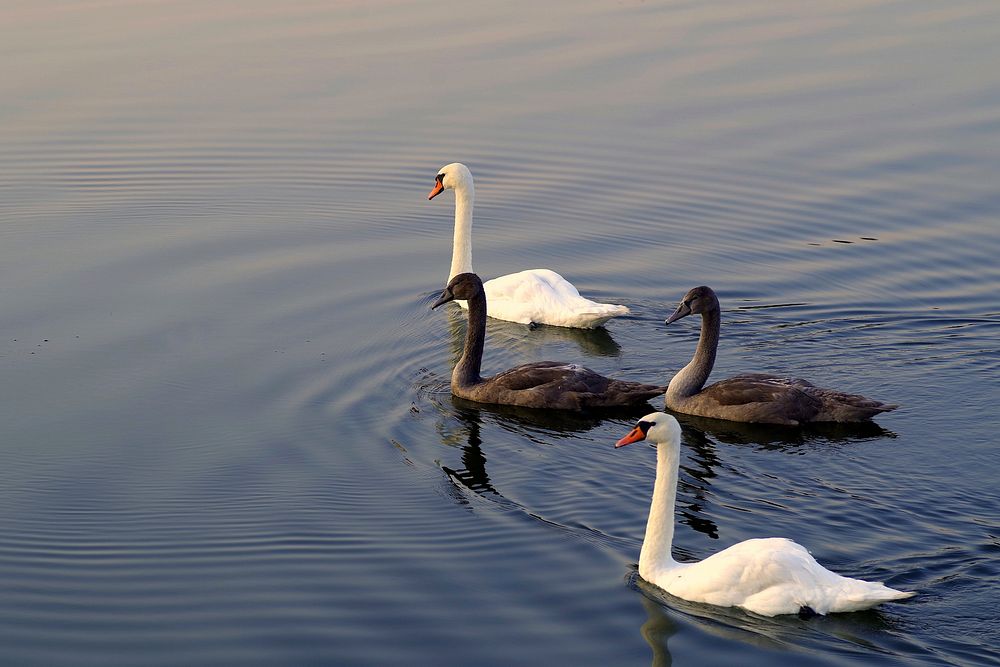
(543, 384)
(769, 576)
(538, 296)
(753, 397)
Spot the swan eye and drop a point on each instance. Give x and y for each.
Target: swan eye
(439, 178)
(645, 426)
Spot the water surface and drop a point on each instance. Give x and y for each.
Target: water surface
(226, 429)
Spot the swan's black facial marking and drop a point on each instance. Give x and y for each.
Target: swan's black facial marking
(645, 426)
(438, 186)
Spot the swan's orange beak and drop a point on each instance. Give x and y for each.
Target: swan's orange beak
(438, 189)
(635, 435)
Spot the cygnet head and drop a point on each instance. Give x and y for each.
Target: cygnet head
(698, 300)
(657, 427)
(452, 176)
(464, 286)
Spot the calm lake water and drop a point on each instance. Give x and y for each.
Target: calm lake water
(226, 430)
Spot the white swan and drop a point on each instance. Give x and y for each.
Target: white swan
(541, 296)
(766, 576)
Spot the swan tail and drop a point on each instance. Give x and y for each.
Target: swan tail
(841, 407)
(868, 594)
(590, 317)
(623, 392)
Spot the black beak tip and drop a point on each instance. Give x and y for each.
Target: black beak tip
(443, 299)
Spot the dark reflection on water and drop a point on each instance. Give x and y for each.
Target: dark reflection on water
(549, 423)
(771, 437)
(473, 474)
(695, 479)
(534, 425)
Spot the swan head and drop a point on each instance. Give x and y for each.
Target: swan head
(454, 176)
(657, 427)
(698, 300)
(464, 286)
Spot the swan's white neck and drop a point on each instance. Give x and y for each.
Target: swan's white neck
(656, 553)
(461, 253)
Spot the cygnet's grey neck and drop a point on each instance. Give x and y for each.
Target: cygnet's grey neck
(467, 369)
(690, 379)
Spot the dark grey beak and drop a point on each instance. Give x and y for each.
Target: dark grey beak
(445, 297)
(683, 310)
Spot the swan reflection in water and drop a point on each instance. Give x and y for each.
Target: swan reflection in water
(657, 629)
(473, 474)
(529, 344)
(534, 425)
(590, 342)
(766, 436)
(542, 427)
(701, 439)
(667, 615)
(701, 460)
